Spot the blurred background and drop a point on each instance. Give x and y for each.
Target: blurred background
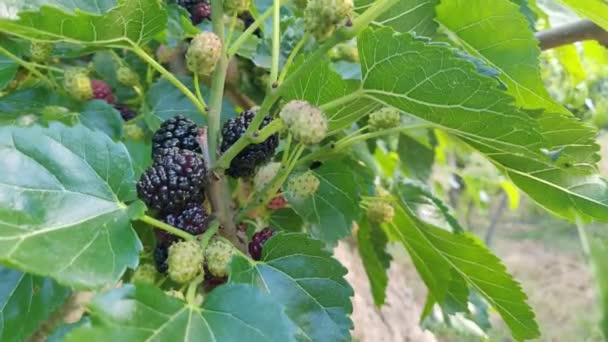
(542, 252)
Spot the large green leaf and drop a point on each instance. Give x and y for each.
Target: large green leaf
(164, 101)
(61, 204)
(596, 10)
(470, 261)
(550, 157)
(372, 243)
(145, 313)
(321, 85)
(331, 211)
(416, 155)
(415, 16)
(91, 6)
(25, 302)
(498, 32)
(300, 274)
(99, 115)
(137, 21)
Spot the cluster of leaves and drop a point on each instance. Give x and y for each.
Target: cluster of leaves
(467, 69)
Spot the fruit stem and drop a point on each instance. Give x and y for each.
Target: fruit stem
(199, 104)
(166, 227)
(349, 140)
(208, 234)
(242, 39)
(231, 29)
(254, 138)
(271, 189)
(292, 56)
(192, 287)
(197, 88)
(276, 44)
(340, 101)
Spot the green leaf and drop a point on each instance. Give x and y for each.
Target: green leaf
(372, 248)
(145, 313)
(498, 33)
(141, 155)
(286, 219)
(331, 211)
(25, 302)
(135, 21)
(165, 101)
(597, 252)
(61, 202)
(416, 155)
(596, 10)
(428, 81)
(416, 193)
(90, 6)
(63, 330)
(322, 85)
(471, 261)
(8, 67)
(297, 272)
(415, 16)
(101, 116)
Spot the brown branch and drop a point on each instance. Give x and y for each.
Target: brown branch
(570, 33)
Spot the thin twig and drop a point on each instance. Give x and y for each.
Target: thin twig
(570, 33)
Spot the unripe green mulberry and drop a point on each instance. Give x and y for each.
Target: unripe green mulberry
(306, 123)
(384, 118)
(134, 132)
(322, 17)
(301, 4)
(77, 83)
(203, 53)
(218, 256)
(265, 174)
(303, 185)
(380, 212)
(145, 273)
(41, 51)
(175, 294)
(185, 261)
(238, 6)
(346, 52)
(126, 76)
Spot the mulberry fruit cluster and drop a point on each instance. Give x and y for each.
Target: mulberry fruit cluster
(384, 118)
(380, 212)
(77, 83)
(303, 185)
(305, 122)
(177, 132)
(175, 180)
(257, 242)
(254, 155)
(174, 186)
(102, 91)
(218, 256)
(203, 53)
(322, 17)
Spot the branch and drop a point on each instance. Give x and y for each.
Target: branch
(570, 33)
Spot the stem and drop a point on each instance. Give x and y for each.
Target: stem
(276, 43)
(47, 67)
(231, 29)
(257, 137)
(342, 100)
(219, 192)
(570, 33)
(166, 227)
(200, 105)
(286, 149)
(192, 287)
(208, 234)
(26, 65)
(292, 56)
(349, 140)
(248, 32)
(197, 88)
